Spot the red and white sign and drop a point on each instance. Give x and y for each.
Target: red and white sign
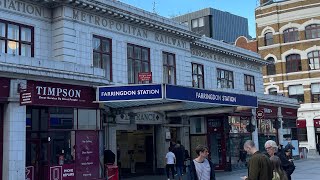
(30, 173)
(316, 123)
(145, 76)
(25, 97)
(260, 114)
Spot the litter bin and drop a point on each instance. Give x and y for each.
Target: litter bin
(112, 172)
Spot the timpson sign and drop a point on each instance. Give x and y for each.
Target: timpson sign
(54, 94)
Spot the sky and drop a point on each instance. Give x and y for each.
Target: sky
(170, 8)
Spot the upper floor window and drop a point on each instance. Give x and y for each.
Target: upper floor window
(273, 91)
(102, 55)
(138, 61)
(314, 60)
(293, 63)
(291, 35)
(271, 68)
(297, 92)
(313, 31)
(197, 75)
(224, 78)
(315, 92)
(268, 39)
(249, 83)
(197, 22)
(16, 39)
(169, 68)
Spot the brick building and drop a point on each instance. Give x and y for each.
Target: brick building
(288, 34)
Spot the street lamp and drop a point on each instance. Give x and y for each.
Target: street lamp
(13, 46)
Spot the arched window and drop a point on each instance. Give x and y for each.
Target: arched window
(271, 68)
(313, 31)
(268, 38)
(293, 63)
(314, 60)
(273, 91)
(290, 35)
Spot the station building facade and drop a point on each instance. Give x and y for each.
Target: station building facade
(54, 55)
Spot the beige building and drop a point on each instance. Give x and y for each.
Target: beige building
(288, 34)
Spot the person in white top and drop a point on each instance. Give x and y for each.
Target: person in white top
(170, 160)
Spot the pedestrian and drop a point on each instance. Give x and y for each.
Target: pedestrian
(259, 167)
(272, 150)
(170, 161)
(318, 147)
(278, 172)
(179, 151)
(290, 147)
(201, 168)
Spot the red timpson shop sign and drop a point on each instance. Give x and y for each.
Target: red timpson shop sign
(54, 94)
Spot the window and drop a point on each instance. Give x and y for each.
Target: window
(197, 75)
(302, 134)
(169, 68)
(197, 22)
(314, 60)
(297, 92)
(291, 35)
(315, 92)
(268, 39)
(138, 61)
(313, 31)
(16, 39)
(293, 63)
(225, 79)
(271, 68)
(102, 55)
(185, 23)
(273, 91)
(249, 84)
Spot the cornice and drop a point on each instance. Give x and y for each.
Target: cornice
(231, 50)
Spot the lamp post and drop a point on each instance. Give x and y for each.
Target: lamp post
(13, 46)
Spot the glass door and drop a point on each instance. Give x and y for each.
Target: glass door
(217, 143)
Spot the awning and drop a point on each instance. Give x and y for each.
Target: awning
(316, 122)
(302, 123)
(181, 98)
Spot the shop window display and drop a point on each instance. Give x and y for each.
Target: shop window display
(266, 131)
(238, 134)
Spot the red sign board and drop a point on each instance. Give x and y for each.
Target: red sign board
(30, 173)
(316, 123)
(268, 111)
(289, 113)
(63, 172)
(301, 123)
(55, 94)
(87, 155)
(145, 76)
(4, 88)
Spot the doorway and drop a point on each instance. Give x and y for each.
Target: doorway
(1, 138)
(217, 143)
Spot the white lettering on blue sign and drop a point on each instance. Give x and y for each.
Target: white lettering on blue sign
(209, 96)
(130, 93)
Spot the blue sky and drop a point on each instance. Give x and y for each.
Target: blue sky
(169, 8)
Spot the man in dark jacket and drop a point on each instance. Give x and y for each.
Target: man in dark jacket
(179, 151)
(260, 167)
(201, 168)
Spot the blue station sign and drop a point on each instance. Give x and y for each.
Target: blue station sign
(172, 92)
(127, 93)
(207, 96)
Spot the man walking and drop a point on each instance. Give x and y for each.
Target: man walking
(201, 168)
(260, 167)
(179, 151)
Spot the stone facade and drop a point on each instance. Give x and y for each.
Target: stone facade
(275, 18)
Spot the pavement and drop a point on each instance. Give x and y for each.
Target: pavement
(306, 169)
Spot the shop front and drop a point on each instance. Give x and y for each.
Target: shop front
(268, 124)
(64, 141)
(4, 94)
(204, 111)
(316, 123)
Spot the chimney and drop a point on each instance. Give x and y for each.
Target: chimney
(262, 2)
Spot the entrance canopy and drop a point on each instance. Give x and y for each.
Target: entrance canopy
(159, 94)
